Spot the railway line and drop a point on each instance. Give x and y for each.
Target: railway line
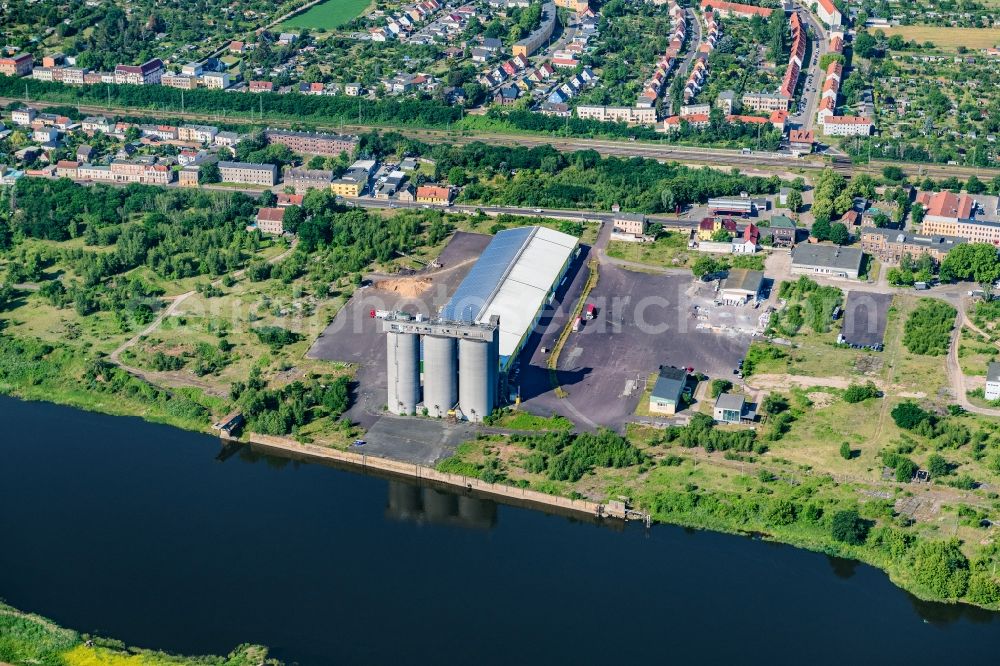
(715, 157)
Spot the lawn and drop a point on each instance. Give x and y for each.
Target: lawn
(669, 250)
(328, 15)
(949, 38)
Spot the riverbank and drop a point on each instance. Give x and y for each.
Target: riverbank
(26, 638)
(690, 499)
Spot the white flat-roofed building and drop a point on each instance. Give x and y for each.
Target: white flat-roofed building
(514, 279)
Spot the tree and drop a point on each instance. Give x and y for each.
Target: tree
(720, 386)
(917, 213)
(972, 261)
(794, 201)
(706, 265)
(456, 176)
(864, 44)
(133, 134)
(775, 403)
(839, 233)
(721, 236)
(893, 173)
(317, 162)
(849, 527)
(821, 230)
(209, 173)
(845, 451)
(937, 465)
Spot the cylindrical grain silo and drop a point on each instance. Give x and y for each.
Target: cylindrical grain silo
(440, 374)
(403, 372)
(475, 394)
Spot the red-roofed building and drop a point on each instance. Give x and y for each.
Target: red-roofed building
(20, 64)
(779, 119)
(945, 206)
(271, 220)
(434, 194)
(801, 140)
(847, 126)
(261, 86)
(285, 200)
(724, 9)
(828, 12)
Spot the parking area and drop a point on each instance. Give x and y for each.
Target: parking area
(643, 321)
(865, 318)
(354, 337)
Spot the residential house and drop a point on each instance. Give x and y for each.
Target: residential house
(891, 245)
(782, 230)
(271, 220)
(731, 408)
(434, 194)
(303, 180)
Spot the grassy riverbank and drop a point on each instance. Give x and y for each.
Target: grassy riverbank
(33, 640)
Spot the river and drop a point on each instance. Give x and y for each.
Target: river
(146, 533)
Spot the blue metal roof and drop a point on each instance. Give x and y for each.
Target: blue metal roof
(495, 262)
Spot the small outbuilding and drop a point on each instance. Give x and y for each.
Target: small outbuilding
(668, 390)
(741, 285)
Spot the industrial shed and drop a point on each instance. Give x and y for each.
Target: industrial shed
(514, 278)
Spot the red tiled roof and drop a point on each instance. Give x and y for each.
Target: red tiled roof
(946, 204)
(270, 214)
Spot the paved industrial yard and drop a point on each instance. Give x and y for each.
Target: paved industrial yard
(643, 321)
(354, 337)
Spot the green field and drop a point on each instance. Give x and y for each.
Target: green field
(327, 15)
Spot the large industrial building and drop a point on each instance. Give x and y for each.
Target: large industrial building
(480, 331)
(514, 279)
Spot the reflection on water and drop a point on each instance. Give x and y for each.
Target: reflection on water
(843, 568)
(420, 504)
(219, 546)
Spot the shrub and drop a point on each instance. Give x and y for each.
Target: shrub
(942, 568)
(861, 392)
(928, 329)
(775, 403)
(720, 386)
(937, 465)
(908, 415)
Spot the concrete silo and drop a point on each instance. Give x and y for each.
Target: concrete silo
(478, 370)
(440, 374)
(403, 372)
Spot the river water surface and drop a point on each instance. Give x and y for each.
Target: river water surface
(147, 534)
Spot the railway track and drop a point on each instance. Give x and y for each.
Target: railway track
(717, 157)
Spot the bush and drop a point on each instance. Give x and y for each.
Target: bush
(720, 386)
(849, 527)
(937, 465)
(775, 403)
(275, 336)
(942, 568)
(861, 392)
(908, 415)
(928, 329)
(905, 469)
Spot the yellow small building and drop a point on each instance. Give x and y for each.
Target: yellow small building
(343, 187)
